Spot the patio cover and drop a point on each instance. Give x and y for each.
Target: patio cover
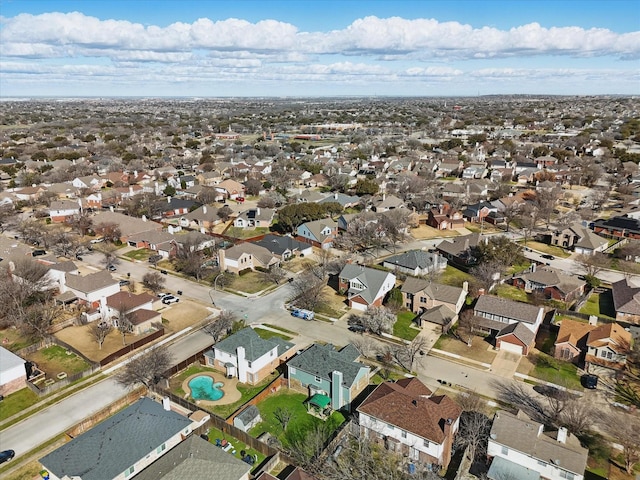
(319, 400)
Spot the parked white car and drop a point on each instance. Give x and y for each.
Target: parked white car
(169, 299)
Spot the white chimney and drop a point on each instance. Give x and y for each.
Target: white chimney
(204, 209)
(169, 199)
(335, 195)
(166, 403)
(562, 435)
(170, 229)
(593, 320)
(131, 190)
(144, 218)
(258, 211)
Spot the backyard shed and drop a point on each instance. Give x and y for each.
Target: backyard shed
(247, 418)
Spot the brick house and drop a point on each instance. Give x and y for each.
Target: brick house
(365, 286)
(552, 283)
(405, 417)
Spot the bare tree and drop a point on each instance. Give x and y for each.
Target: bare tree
(406, 354)
(189, 259)
(308, 290)
(378, 320)
(511, 212)
(147, 369)
(592, 264)
(365, 345)
(577, 416)
(625, 429)
(275, 274)
(7, 217)
(154, 281)
(283, 415)
(487, 274)
(467, 323)
(109, 252)
(110, 231)
(474, 433)
(123, 324)
(81, 223)
(99, 331)
(221, 325)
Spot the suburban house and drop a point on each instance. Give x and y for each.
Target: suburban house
(365, 286)
(13, 374)
(444, 221)
(246, 256)
(329, 376)
(319, 233)
(91, 289)
(195, 458)
(284, 247)
(626, 301)
(202, 217)
(433, 302)
(520, 448)
(618, 227)
(138, 310)
(160, 241)
(254, 217)
(230, 189)
(514, 324)
(607, 346)
(571, 343)
(459, 250)
(579, 238)
(177, 206)
(128, 226)
(552, 283)
(416, 262)
(63, 210)
(120, 446)
(478, 211)
(386, 203)
(405, 417)
(247, 356)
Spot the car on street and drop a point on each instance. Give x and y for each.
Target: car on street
(548, 257)
(357, 328)
(111, 268)
(124, 283)
(162, 294)
(590, 381)
(169, 299)
(6, 455)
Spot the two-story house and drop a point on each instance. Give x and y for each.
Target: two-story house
(138, 309)
(433, 302)
(319, 233)
(520, 448)
(63, 210)
(365, 286)
(459, 250)
(416, 262)
(551, 282)
(254, 217)
(607, 346)
(405, 417)
(247, 356)
(579, 238)
(120, 446)
(284, 247)
(246, 256)
(329, 376)
(91, 289)
(626, 301)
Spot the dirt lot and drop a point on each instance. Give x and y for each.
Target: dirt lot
(182, 315)
(80, 338)
(480, 350)
(424, 232)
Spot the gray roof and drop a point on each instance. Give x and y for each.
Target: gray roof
(128, 225)
(435, 291)
(519, 311)
(626, 297)
(550, 277)
(322, 360)
(521, 433)
(91, 282)
(195, 458)
(260, 253)
(440, 315)
(519, 331)
(457, 245)
(414, 259)
(588, 239)
(278, 244)
(316, 227)
(9, 360)
(112, 446)
(254, 345)
(248, 414)
(371, 278)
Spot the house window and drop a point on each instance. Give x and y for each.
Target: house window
(505, 451)
(567, 475)
(318, 379)
(423, 299)
(292, 370)
(403, 434)
(609, 355)
(603, 354)
(249, 364)
(408, 305)
(161, 448)
(541, 463)
(272, 353)
(129, 471)
(426, 443)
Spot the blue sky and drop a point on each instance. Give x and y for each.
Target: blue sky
(318, 48)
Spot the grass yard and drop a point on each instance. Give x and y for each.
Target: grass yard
(252, 282)
(55, 359)
(600, 304)
(18, 401)
(281, 329)
(512, 293)
(547, 368)
(237, 232)
(238, 446)
(247, 392)
(425, 232)
(266, 334)
(300, 423)
(480, 350)
(175, 383)
(13, 340)
(140, 254)
(454, 277)
(544, 248)
(403, 327)
(377, 379)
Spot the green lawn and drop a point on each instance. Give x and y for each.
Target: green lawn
(266, 334)
(238, 446)
(512, 293)
(600, 304)
(252, 282)
(247, 393)
(276, 327)
(140, 254)
(377, 379)
(551, 370)
(17, 401)
(403, 329)
(55, 359)
(544, 248)
(454, 277)
(237, 232)
(300, 423)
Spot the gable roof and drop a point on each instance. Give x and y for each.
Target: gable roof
(626, 297)
(371, 278)
(435, 291)
(278, 244)
(519, 331)
(316, 227)
(409, 405)
(611, 335)
(522, 312)
(112, 446)
(521, 433)
(322, 360)
(457, 245)
(413, 259)
(260, 253)
(550, 277)
(90, 283)
(254, 345)
(127, 300)
(573, 332)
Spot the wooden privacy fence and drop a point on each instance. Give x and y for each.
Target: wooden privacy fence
(131, 347)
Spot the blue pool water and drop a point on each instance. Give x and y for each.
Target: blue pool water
(203, 388)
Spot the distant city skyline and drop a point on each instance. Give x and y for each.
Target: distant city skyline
(249, 48)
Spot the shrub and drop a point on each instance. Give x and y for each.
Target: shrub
(244, 272)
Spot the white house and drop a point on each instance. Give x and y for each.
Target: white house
(63, 210)
(13, 375)
(92, 288)
(247, 356)
(520, 448)
(365, 286)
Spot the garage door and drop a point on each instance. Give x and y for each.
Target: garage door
(510, 347)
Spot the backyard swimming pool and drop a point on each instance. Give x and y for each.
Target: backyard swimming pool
(203, 388)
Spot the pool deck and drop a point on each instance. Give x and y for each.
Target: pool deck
(231, 393)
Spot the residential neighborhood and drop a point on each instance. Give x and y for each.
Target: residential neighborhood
(427, 289)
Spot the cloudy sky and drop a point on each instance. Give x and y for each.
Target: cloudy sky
(318, 48)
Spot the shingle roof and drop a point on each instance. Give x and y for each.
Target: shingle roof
(550, 277)
(322, 360)
(413, 259)
(371, 278)
(408, 405)
(573, 332)
(522, 312)
(254, 345)
(128, 300)
(519, 331)
(263, 255)
(626, 298)
(112, 446)
(458, 245)
(195, 458)
(524, 435)
(440, 315)
(91, 282)
(611, 335)
(278, 244)
(435, 291)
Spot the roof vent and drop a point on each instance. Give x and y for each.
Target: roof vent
(557, 461)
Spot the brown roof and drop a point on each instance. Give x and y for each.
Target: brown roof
(626, 298)
(127, 300)
(572, 332)
(142, 315)
(612, 335)
(408, 404)
(91, 282)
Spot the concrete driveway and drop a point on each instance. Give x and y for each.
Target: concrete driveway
(505, 364)
(430, 332)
